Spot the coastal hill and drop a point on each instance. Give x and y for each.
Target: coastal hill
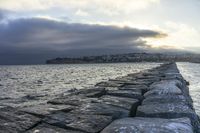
(130, 57)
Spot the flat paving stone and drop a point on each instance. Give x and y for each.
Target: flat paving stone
(85, 123)
(13, 121)
(46, 128)
(149, 125)
(46, 109)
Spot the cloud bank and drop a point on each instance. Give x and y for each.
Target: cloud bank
(20, 5)
(34, 40)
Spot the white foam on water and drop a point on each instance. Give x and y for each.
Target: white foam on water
(191, 72)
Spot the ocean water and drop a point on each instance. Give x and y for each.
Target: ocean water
(191, 72)
(34, 84)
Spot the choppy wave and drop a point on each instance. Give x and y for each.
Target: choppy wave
(191, 72)
(34, 84)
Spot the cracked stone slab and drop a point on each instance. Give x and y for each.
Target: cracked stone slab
(149, 125)
(85, 123)
(46, 109)
(13, 121)
(46, 128)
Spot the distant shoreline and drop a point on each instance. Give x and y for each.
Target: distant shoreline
(127, 58)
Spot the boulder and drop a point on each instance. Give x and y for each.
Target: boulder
(160, 99)
(122, 102)
(163, 83)
(153, 74)
(85, 123)
(93, 92)
(165, 87)
(13, 121)
(122, 80)
(168, 110)
(143, 88)
(46, 128)
(74, 100)
(110, 84)
(46, 109)
(149, 81)
(139, 82)
(126, 103)
(149, 125)
(148, 77)
(115, 112)
(136, 94)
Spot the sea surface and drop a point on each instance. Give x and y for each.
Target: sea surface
(34, 84)
(191, 72)
(24, 85)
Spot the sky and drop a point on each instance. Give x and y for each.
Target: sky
(32, 31)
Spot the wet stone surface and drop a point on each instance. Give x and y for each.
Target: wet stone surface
(142, 88)
(126, 103)
(72, 100)
(136, 94)
(162, 99)
(46, 128)
(93, 92)
(110, 84)
(149, 125)
(169, 110)
(13, 121)
(86, 123)
(46, 109)
(153, 101)
(115, 112)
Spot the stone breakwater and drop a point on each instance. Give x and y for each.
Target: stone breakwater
(153, 101)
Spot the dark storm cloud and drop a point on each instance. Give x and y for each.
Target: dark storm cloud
(34, 40)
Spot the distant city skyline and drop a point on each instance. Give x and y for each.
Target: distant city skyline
(32, 31)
